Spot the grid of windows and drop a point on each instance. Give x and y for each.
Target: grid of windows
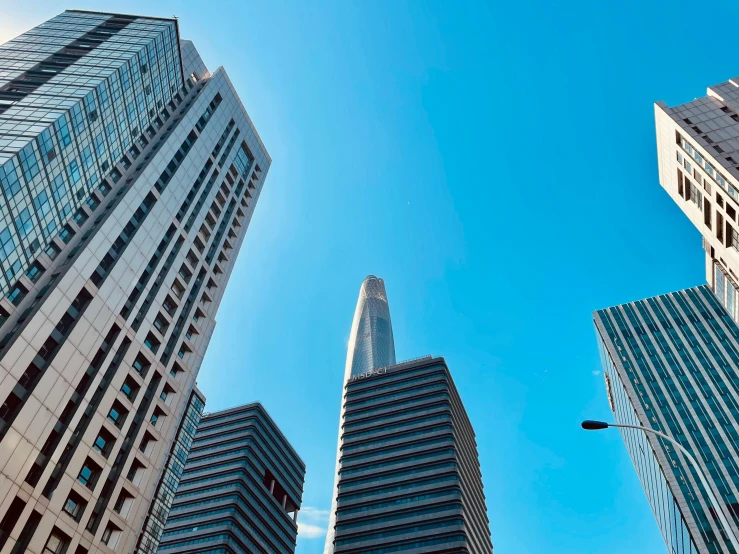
(670, 363)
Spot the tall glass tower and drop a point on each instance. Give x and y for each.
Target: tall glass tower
(371, 346)
(128, 176)
(670, 363)
(407, 471)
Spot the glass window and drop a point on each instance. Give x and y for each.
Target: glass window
(49, 229)
(77, 118)
(59, 188)
(29, 163)
(114, 415)
(73, 172)
(56, 544)
(87, 158)
(24, 223)
(62, 129)
(46, 146)
(6, 244)
(41, 202)
(9, 179)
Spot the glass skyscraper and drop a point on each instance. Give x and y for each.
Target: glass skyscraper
(241, 488)
(129, 174)
(671, 363)
(407, 471)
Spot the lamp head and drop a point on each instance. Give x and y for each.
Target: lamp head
(592, 425)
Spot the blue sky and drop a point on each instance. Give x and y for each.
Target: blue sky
(496, 165)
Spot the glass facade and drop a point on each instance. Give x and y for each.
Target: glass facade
(159, 510)
(671, 364)
(78, 91)
(371, 342)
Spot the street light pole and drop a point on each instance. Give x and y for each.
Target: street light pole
(590, 425)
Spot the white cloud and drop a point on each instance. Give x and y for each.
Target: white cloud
(308, 531)
(312, 522)
(596, 372)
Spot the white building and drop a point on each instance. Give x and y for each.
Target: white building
(129, 174)
(698, 151)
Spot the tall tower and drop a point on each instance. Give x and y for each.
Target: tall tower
(371, 342)
(407, 470)
(670, 364)
(371, 346)
(128, 176)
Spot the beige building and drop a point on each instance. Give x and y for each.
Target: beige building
(698, 152)
(128, 177)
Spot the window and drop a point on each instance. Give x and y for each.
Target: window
(141, 365)
(46, 146)
(74, 506)
(9, 178)
(147, 444)
(89, 474)
(161, 324)
(57, 542)
(111, 535)
(156, 416)
(104, 442)
(117, 414)
(24, 223)
(152, 343)
(62, 129)
(734, 238)
(136, 472)
(73, 172)
(688, 167)
(34, 272)
(169, 305)
(17, 294)
(130, 388)
(29, 163)
(679, 158)
(41, 202)
(6, 244)
(123, 504)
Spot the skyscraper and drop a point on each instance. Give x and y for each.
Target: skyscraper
(241, 488)
(671, 363)
(408, 476)
(129, 174)
(698, 151)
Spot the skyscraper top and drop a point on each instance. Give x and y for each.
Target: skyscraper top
(371, 342)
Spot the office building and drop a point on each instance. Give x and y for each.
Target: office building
(241, 488)
(129, 173)
(408, 476)
(698, 152)
(671, 363)
(156, 518)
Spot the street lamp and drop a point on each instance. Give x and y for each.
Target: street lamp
(592, 425)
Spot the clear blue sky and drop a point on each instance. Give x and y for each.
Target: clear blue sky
(496, 165)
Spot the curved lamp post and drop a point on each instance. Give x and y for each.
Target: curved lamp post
(591, 425)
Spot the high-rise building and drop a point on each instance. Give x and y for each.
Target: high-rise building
(128, 174)
(156, 518)
(671, 363)
(407, 472)
(698, 151)
(241, 488)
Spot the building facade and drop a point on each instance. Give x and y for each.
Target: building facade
(698, 152)
(409, 476)
(671, 363)
(407, 471)
(129, 174)
(241, 488)
(156, 518)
